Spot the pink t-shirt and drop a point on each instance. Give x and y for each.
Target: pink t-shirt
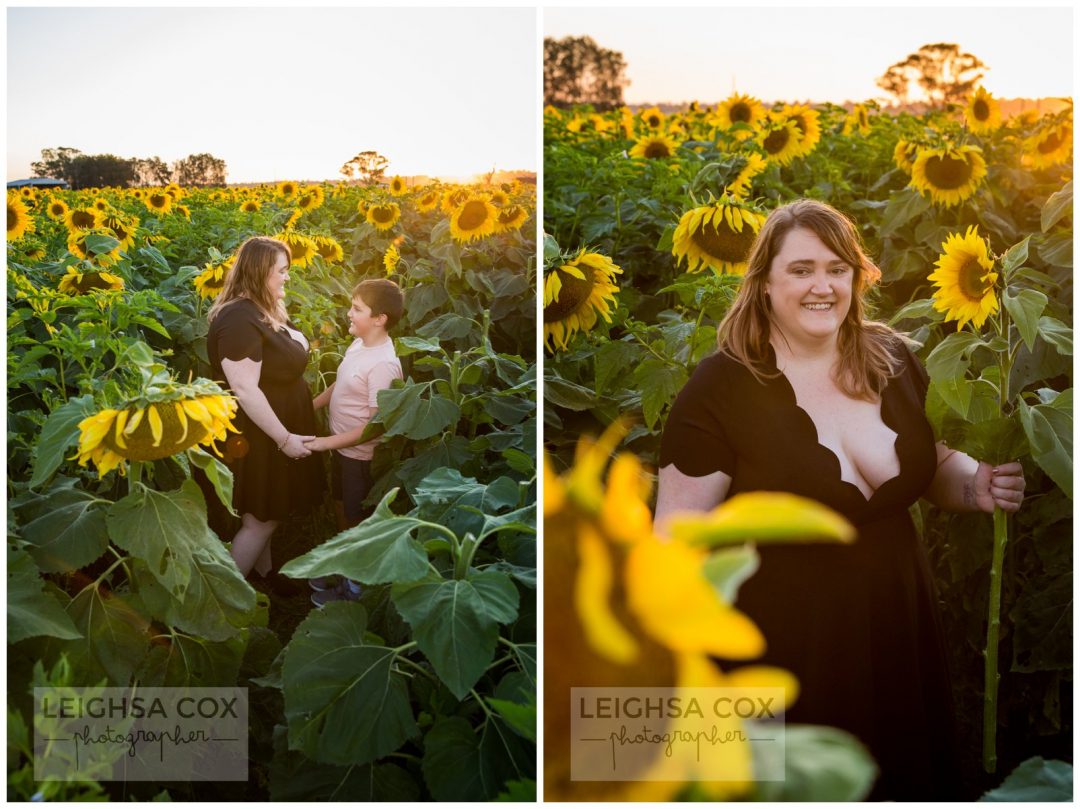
(362, 374)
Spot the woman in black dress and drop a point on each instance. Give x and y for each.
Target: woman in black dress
(806, 396)
(256, 350)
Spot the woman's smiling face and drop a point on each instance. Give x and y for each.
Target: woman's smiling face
(279, 276)
(809, 288)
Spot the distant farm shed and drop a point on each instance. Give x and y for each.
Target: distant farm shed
(39, 182)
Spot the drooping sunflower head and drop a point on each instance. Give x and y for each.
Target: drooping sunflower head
(1049, 146)
(717, 236)
(56, 209)
(142, 430)
(158, 201)
(655, 147)
(965, 279)
(512, 217)
(329, 248)
(474, 219)
(82, 218)
(949, 174)
(34, 251)
(982, 113)
(294, 217)
(653, 118)
(574, 294)
(75, 282)
(780, 140)
(391, 258)
(210, 282)
(384, 215)
(302, 248)
(740, 109)
(19, 220)
(428, 201)
(397, 186)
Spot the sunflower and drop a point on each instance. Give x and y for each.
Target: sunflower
(428, 201)
(473, 219)
(138, 194)
(510, 218)
(302, 247)
(717, 236)
(35, 253)
(251, 206)
(28, 194)
(101, 204)
(904, 155)
(397, 186)
(294, 217)
(329, 248)
(362, 208)
(82, 219)
(755, 164)
(780, 140)
(56, 209)
(858, 120)
(634, 609)
(949, 174)
(80, 245)
(287, 189)
(654, 147)
(198, 413)
(175, 191)
(184, 211)
(384, 216)
(982, 113)
(210, 282)
(1049, 146)
(19, 220)
(81, 283)
(965, 279)
(453, 198)
(740, 109)
(158, 201)
(806, 121)
(121, 229)
(652, 117)
(499, 198)
(391, 258)
(574, 294)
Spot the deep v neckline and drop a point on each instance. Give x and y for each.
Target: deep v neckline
(885, 415)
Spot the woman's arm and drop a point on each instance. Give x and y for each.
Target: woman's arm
(963, 484)
(678, 492)
(243, 378)
(323, 399)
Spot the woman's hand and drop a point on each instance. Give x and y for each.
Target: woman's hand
(1001, 485)
(295, 446)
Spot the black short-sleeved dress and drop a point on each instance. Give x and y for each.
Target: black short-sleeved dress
(267, 483)
(857, 624)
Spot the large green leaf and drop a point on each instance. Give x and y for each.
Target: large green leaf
(219, 475)
(1015, 257)
(31, 612)
(1025, 308)
(456, 622)
(564, 393)
(1049, 432)
(1056, 206)
(460, 503)
(405, 411)
(381, 549)
(1036, 780)
(219, 602)
(188, 660)
(903, 206)
(68, 531)
(164, 529)
(1057, 334)
(820, 764)
(947, 366)
(658, 382)
(61, 432)
(344, 701)
(461, 766)
(115, 635)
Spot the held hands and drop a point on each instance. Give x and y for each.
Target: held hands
(294, 446)
(1001, 485)
(316, 444)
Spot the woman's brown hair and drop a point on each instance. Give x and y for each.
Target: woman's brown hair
(868, 349)
(255, 261)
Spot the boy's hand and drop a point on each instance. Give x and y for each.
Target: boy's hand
(319, 444)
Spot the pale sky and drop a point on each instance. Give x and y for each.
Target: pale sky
(278, 93)
(818, 54)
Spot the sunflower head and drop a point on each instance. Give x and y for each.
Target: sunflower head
(575, 292)
(210, 282)
(474, 219)
(329, 248)
(965, 279)
(499, 197)
(653, 118)
(122, 229)
(753, 166)
(512, 217)
(302, 247)
(780, 140)
(384, 215)
(287, 189)
(654, 147)
(740, 109)
(158, 201)
(1049, 146)
(56, 209)
(75, 282)
(982, 112)
(949, 174)
(452, 198)
(397, 186)
(857, 121)
(391, 258)
(19, 220)
(82, 218)
(806, 123)
(904, 155)
(717, 236)
(428, 201)
(99, 246)
(251, 206)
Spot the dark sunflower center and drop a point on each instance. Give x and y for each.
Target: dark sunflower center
(800, 123)
(969, 279)
(947, 172)
(777, 140)
(12, 218)
(118, 230)
(572, 297)
(724, 244)
(653, 121)
(56, 210)
(92, 280)
(981, 110)
(740, 112)
(382, 214)
(1051, 144)
(657, 148)
(82, 219)
(473, 215)
(508, 215)
(158, 200)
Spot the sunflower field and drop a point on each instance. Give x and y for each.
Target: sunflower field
(119, 492)
(649, 217)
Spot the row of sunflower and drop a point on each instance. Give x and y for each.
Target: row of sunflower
(649, 219)
(117, 573)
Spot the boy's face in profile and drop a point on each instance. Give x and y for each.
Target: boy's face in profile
(362, 323)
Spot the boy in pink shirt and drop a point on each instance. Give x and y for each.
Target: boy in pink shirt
(369, 365)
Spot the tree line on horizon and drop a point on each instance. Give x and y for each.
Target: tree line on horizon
(100, 170)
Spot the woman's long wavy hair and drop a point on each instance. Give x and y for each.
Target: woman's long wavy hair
(869, 354)
(247, 279)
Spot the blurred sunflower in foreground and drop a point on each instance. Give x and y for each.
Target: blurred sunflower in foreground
(574, 293)
(627, 608)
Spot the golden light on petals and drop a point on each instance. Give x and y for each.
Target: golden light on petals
(965, 280)
(717, 236)
(949, 175)
(575, 293)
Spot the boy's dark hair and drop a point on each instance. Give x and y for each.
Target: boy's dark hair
(383, 297)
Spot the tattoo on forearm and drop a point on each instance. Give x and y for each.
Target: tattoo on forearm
(969, 494)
